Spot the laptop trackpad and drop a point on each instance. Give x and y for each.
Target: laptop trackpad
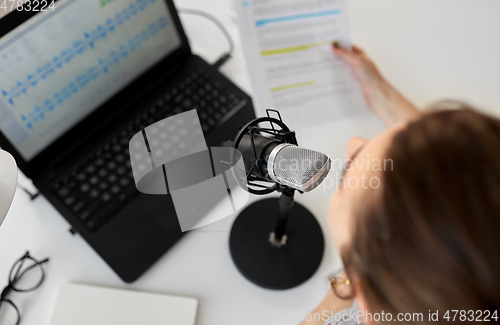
(161, 209)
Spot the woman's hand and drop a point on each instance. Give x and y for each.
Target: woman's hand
(363, 67)
(383, 98)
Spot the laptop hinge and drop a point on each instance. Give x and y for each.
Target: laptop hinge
(59, 159)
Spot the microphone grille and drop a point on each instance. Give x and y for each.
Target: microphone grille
(299, 168)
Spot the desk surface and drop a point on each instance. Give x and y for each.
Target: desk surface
(430, 50)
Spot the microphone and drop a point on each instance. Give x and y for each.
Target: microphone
(277, 243)
(283, 163)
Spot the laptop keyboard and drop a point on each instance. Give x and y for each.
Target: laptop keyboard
(101, 183)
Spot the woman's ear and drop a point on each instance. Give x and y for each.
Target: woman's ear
(354, 145)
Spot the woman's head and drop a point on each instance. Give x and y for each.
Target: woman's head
(427, 238)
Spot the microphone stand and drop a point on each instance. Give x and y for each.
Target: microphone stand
(278, 237)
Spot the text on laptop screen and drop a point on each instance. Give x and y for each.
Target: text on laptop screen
(58, 67)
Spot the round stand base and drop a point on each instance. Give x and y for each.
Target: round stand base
(269, 266)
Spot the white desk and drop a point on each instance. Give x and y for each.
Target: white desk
(430, 50)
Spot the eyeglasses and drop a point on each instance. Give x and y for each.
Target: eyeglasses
(26, 275)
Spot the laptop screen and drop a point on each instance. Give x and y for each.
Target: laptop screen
(59, 66)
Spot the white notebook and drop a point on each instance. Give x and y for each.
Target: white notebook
(79, 304)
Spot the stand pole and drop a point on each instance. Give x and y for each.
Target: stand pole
(285, 204)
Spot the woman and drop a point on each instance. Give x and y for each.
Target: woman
(426, 243)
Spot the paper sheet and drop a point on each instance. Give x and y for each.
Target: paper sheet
(292, 68)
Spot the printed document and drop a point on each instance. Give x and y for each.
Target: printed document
(292, 67)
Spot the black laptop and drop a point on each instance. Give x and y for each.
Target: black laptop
(76, 83)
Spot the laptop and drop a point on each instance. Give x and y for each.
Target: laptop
(76, 84)
(79, 304)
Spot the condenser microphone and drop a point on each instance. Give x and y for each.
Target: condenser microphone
(277, 243)
(284, 163)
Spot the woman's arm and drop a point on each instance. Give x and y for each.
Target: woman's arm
(382, 97)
